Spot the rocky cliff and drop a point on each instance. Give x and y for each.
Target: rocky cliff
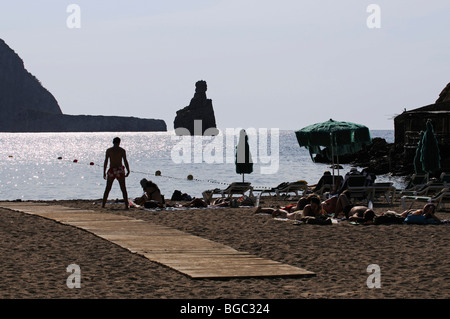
(26, 106)
(198, 117)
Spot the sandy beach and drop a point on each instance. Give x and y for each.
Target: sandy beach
(413, 259)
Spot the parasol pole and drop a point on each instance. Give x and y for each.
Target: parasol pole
(337, 157)
(332, 154)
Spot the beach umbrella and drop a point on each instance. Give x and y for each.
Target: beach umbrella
(417, 161)
(430, 155)
(339, 138)
(244, 163)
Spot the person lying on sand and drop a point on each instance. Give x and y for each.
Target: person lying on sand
(196, 202)
(392, 217)
(362, 215)
(276, 212)
(338, 205)
(301, 203)
(199, 202)
(428, 211)
(312, 209)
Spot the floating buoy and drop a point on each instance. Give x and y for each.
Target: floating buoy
(158, 173)
(59, 157)
(190, 177)
(91, 163)
(75, 161)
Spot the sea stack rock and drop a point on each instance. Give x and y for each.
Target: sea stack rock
(26, 106)
(198, 117)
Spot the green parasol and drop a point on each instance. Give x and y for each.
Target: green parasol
(339, 137)
(430, 155)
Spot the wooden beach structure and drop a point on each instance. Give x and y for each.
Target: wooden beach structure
(194, 256)
(409, 124)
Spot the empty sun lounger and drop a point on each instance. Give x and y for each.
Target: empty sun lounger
(239, 188)
(357, 186)
(425, 190)
(286, 188)
(293, 187)
(417, 181)
(445, 178)
(385, 189)
(439, 199)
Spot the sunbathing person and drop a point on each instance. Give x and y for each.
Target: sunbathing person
(199, 202)
(303, 201)
(196, 202)
(313, 209)
(428, 211)
(286, 210)
(362, 215)
(338, 204)
(324, 180)
(279, 213)
(151, 193)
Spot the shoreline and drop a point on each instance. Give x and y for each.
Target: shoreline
(413, 259)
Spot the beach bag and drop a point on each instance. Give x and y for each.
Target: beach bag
(416, 219)
(186, 197)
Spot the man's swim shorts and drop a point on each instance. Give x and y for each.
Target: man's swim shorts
(116, 172)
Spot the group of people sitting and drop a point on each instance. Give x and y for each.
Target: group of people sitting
(338, 184)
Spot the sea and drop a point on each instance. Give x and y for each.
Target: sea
(66, 166)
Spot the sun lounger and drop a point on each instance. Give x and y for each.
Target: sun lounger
(357, 185)
(418, 181)
(429, 188)
(286, 188)
(239, 188)
(385, 189)
(293, 187)
(327, 185)
(439, 199)
(445, 178)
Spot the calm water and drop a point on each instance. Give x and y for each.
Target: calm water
(30, 168)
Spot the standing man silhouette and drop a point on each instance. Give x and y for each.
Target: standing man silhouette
(115, 155)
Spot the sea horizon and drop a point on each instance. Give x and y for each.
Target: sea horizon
(64, 166)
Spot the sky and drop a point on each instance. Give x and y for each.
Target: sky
(268, 64)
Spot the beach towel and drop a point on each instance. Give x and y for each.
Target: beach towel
(416, 219)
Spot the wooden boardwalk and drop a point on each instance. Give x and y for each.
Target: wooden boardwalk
(191, 255)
